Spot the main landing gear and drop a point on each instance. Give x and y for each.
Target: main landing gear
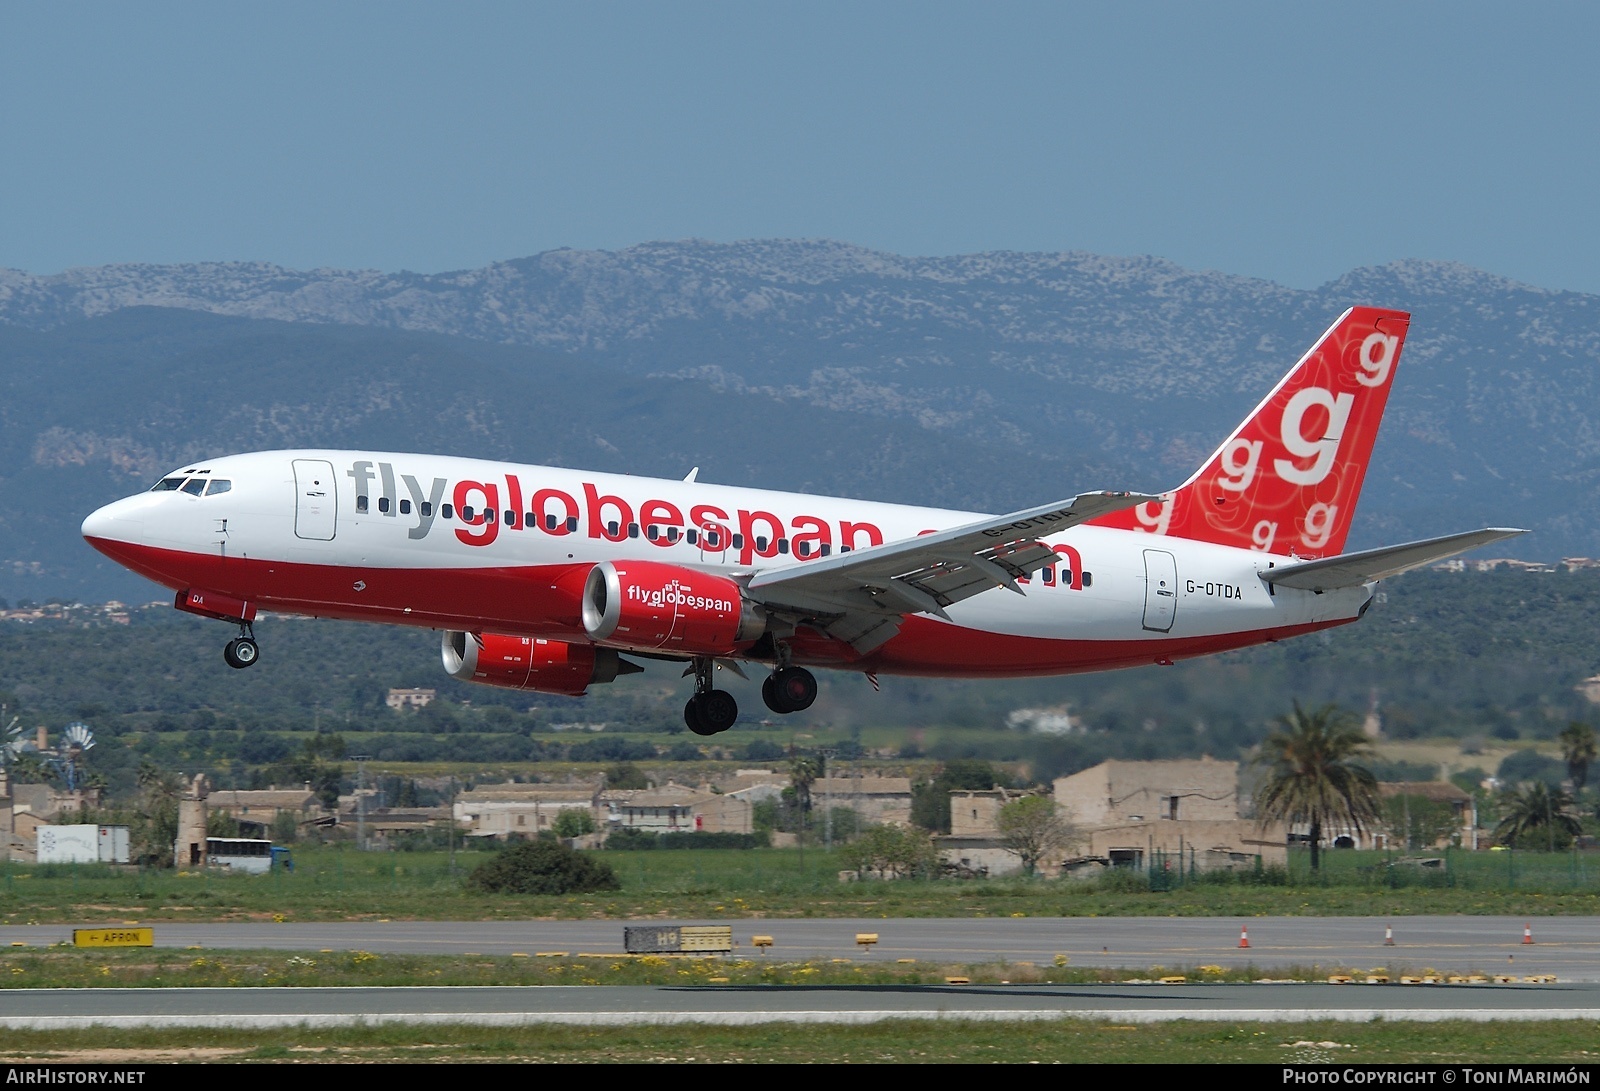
(709, 711)
(242, 651)
(789, 689)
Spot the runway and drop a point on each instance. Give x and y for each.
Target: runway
(1568, 947)
(600, 1005)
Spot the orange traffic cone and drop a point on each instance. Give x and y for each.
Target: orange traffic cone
(1527, 933)
(1244, 936)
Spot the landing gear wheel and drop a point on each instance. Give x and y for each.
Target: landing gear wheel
(241, 652)
(691, 717)
(718, 710)
(789, 689)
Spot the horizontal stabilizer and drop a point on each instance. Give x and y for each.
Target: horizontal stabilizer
(1355, 569)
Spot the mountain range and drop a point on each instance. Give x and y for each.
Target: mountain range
(985, 381)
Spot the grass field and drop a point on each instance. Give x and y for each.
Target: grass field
(334, 884)
(899, 1041)
(64, 967)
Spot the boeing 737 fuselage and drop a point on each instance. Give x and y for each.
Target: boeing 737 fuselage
(541, 578)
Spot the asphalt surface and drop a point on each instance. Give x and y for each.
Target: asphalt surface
(599, 1005)
(1568, 947)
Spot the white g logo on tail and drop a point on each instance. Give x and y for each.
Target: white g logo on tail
(1261, 537)
(1319, 524)
(1239, 460)
(1295, 440)
(1375, 369)
(1154, 515)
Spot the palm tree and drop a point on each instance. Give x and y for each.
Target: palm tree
(1535, 806)
(1313, 776)
(803, 773)
(1578, 750)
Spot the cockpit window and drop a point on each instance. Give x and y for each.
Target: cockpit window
(167, 484)
(195, 486)
(219, 485)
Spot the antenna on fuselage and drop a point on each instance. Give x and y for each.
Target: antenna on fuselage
(692, 474)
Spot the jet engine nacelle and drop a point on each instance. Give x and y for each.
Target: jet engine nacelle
(521, 662)
(654, 607)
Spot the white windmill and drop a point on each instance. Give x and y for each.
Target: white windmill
(10, 749)
(76, 739)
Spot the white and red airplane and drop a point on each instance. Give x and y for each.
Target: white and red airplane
(541, 576)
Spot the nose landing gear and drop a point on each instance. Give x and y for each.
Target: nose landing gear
(709, 711)
(242, 651)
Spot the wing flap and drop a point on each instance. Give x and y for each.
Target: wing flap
(859, 597)
(1355, 569)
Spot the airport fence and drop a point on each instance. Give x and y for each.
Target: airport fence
(1448, 868)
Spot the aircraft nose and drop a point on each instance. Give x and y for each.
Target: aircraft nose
(109, 522)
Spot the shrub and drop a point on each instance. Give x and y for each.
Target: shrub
(763, 750)
(625, 838)
(572, 822)
(1529, 764)
(893, 852)
(643, 839)
(543, 867)
(1123, 880)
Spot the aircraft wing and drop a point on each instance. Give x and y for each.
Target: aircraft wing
(859, 597)
(1355, 569)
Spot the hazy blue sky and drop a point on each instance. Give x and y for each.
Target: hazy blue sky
(1289, 141)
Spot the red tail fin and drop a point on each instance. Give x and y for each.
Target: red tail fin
(1288, 478)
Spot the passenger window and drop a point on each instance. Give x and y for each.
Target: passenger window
(549, 522)
(488, 515)
(802, 549)
(651, 532)
(672, 534)
(167, 484)
(611, 529)
(1048, 575)
(405, 507)
(531, 519)
(383, 505)
(738, 541)
(761, 544)
(691, 536)
(427, 509)
(466, 512)
(1088, 579)
(633, 530)
(361, 505)
(447, 510)
(195, 486)
(783, 545)
(826, 549)
(511, 518)
(572, 525)
(219, 486)
(844, 549)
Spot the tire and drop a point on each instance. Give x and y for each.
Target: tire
(691, 717)
(241, 653)
(769, 695)
(795, 688)
(718, 710)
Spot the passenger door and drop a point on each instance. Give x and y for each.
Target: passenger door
(316, 499)
(1160, 590)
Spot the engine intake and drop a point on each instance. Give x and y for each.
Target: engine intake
(654, 607)
(521, 662)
